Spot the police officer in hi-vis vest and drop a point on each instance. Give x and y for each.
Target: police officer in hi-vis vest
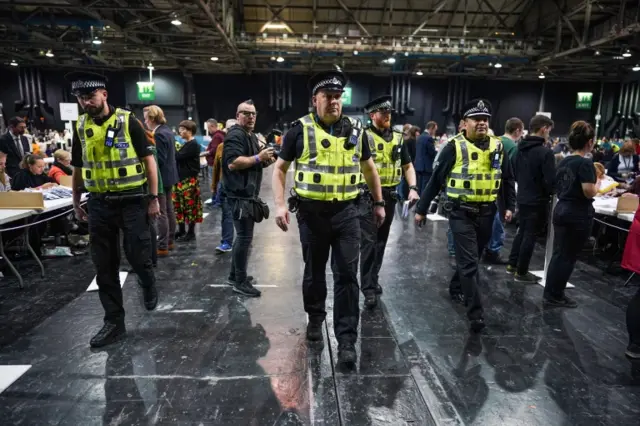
(391, 157)
(472, 169)
(329, 155)
(113, 160)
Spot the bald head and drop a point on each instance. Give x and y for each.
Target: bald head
(246, 115)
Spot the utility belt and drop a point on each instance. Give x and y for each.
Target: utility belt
(295, 201)
(135, 194)
(478, 209)
(389, 193)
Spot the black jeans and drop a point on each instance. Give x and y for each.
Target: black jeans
(241, 245)
(335, 227)
(633, 319)
(373, 241)
(570, 234)
(531, 220)
(471, 232)
(106, 220)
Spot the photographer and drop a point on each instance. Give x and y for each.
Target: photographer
(242, 164)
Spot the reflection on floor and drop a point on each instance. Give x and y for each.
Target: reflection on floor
(207, 356)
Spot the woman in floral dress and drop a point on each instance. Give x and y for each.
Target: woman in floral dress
(186, 193)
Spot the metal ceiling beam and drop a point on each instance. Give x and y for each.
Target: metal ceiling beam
(206, 9)
(382, 15)
(455, 8)
(314, 11)
(353, 17)
(495, 13)
(525, 12)
(587, 22)
(275, 13)
(566, 20)
(625, 32)
(429, 15)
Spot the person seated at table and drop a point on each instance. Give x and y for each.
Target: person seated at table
(51, 149)
(624, 165)
(5, 180)
(32, 174)
(61, 165)
(607, 183)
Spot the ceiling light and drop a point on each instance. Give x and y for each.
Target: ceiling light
(214, 58)
(49, 54)
(636, 68)
(406, 53)
(96, 41)
(276, 26)
(273, 58)
(150, 67)
(619, 58)
(176, 22)
(391, 60)
(431, 30)
(498, 65)
(280, 59)
(419, 72)
(541, 76)
(597, 53)
(627, 53)
(355, 52)
(13, 63)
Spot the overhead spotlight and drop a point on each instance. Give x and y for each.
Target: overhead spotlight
(273, 58)
(627, 53)
(49, 54)
(264, 35)
(150, 67)
(13, 63)
(176, 22)
(597, 53)
(419, 72)
(636, 68)
(541, 76)
(214, 58)
(391, 60)
(355, 52)
(305, 36)
(280, 59)
(324, 36)
(406, 53)
(498, 65)
(490, 64)
(97, 41)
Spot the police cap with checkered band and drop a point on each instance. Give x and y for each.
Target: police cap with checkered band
(477, 108)
(334, 81)
(383, 104)
(84, 83)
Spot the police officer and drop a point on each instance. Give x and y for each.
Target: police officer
(391, 157)
(472, 169)
(329, 155)
(113, 160)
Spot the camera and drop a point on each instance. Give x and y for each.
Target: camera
(433, 207)
(272, 141)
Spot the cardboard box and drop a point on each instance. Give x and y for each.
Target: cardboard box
(66, 181)
(627, 205)
(21, 200)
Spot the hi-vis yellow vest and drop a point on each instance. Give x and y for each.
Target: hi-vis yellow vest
(382, 152)
(109, 169)
(326, 171)
(472, 178)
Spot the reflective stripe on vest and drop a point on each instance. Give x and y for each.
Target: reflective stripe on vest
(326, 170)
(389, 170)
(117, 181)
(111, 164)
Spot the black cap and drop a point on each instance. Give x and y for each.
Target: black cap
(83, 83)
(476, 108)
(327, 80)
(383, 103)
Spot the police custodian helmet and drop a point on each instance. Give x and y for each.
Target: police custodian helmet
(84, 83)
(382, 104)
(333, 81)
(476, 108)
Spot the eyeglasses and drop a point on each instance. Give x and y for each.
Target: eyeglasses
(248, 113)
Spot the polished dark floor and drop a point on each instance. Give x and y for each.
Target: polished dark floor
(207, 356)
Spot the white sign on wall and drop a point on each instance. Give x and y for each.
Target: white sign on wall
(68, 111)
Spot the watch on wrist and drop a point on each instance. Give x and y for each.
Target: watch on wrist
(380, 203)
(152, 197)
(413, 187)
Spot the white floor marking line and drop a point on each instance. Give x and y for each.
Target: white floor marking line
(11, 373)
(204, 215)
(436, 217)
(255, 285)
(186, 311)
(540, 274)
(209, 201)
(94, 284)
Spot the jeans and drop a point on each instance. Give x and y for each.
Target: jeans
(240, 253)
(166, 223)
(497, 235)
(532, 219)
(227, 218)
(570, 235)
(450, 245)
(403, 189)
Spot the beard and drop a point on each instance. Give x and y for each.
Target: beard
(383, 123)
(94, 111)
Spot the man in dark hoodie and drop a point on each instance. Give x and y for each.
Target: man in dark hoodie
(534, 168)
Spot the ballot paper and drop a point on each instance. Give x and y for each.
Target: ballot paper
(405, 209)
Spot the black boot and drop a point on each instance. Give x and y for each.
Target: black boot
(181, 231)
(150, 297)
(314, 331)
(370, 300)
(109, 333)
(191, 234)
(347, 354)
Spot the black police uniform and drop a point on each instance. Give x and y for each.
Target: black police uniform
(111, 212)
(471, 223)
(328, 226)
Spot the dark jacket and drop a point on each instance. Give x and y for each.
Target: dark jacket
(216, 139)
(614, 164)
(425, 154)
(166, 150)
(243, 183)
(535, 170)
(25, 179)
(8, 146)
(188, 160)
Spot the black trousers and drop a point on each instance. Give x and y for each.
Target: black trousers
(241, 246)
(570, 234)
(471, 232)
(423, 180)
(106, 220)
(373, 240)
(331, 227)
(531, 220)
(633, 319)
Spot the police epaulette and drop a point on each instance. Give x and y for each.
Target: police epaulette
(294, 123)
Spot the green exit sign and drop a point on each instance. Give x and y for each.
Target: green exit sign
(146, 91)
(346, 96)
(584, 100)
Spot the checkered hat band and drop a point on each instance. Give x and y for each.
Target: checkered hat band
(473, 112)
(381, 105)
(87, 84)
(328, 82)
